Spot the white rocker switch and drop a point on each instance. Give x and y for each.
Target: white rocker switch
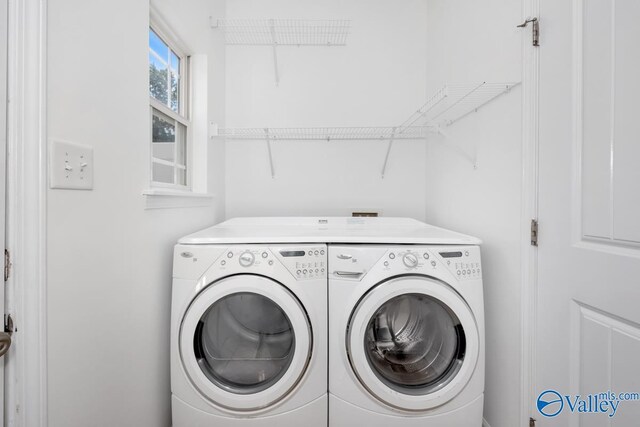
(71, 166)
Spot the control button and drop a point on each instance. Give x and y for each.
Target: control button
(223, 262)
(464, 272)
(322, 270)
(425, 255)
(322, 252)
(246, 259)
(466, 253)
(230, 255)
(458, 272)
(392, 255)
(310, 253)
(410, 260)
(468, 271)
(264, 254)
(316, 270)
(304, 271)
(386, 263)
(448, 262)
(270, 262)
(473, 271)
(298, 272)
(433, 263)
(316, 253)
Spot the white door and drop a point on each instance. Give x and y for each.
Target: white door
(4, 339)
(588, 297)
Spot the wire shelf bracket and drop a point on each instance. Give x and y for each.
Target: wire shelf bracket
(451, 104)
(268, 139)
(283, 32)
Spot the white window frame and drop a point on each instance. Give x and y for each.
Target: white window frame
(181, 117)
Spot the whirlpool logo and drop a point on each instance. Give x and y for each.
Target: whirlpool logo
(550, 403)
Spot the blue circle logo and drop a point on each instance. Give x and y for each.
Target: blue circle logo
(550, 403)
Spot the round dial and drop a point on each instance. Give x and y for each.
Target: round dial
(410, 260)
(246, 259)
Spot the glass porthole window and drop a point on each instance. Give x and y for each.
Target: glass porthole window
(414, 344)
(244, 343)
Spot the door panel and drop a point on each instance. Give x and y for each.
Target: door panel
(607, 64)
(588, 322)
(4, 24)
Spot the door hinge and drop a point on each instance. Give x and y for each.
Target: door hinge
(7, 265)
(532, 422)
(535, 24)
(534, 232)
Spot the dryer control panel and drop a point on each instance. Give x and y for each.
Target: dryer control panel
(354, 262)
(462, 262)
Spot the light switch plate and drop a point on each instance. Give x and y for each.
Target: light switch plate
(71, 166)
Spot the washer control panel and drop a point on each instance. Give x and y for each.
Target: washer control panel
(304, 262)
(246, 257)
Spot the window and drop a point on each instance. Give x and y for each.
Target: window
(170, 125)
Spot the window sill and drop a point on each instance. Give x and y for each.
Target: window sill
(160, 198)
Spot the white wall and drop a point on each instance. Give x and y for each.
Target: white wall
(109, 258)
(471, 41)
(376, 80)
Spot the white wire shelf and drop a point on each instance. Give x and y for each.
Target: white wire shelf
(454, 102)
(327, 133)
(285, 32)
(445, 107)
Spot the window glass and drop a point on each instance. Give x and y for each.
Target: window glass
(175, 92)
(169, 124)
(162, 173)
(157, 45)
(164, 73)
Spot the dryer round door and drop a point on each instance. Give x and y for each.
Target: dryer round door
(245, 342)
(413, 343)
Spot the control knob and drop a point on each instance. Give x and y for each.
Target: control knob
(246, 259)
(410, 260)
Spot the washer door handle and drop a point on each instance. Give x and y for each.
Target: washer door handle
(353, 274)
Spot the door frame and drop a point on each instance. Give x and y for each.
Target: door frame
(529, 209)
(26, 364)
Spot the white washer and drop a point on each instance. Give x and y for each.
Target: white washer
(249, 335)
(406, 335)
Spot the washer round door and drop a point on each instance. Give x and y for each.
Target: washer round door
(245, 342)
(413, 343)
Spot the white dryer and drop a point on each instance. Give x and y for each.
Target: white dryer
(249, 335)
(406, 335)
